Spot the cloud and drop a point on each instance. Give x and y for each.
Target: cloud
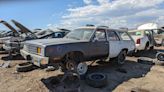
(87, 1)
(103, 1)
(115, 13)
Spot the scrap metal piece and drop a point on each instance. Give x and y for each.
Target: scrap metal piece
(6, 64)
(9, 26)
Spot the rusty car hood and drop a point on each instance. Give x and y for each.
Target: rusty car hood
(54, 41)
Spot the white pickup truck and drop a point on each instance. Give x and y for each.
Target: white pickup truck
(87, 43)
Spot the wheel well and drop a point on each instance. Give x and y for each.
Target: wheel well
(125, 49)
(72, 53)
(147, 44)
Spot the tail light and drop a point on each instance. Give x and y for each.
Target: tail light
(138, 41)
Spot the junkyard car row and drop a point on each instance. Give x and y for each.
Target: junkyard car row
(70, 50)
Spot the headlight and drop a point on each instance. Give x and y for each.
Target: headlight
(38, 50)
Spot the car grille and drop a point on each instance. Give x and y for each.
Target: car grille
(13, 44)
(31, 48)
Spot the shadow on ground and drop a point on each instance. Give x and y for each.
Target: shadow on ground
(148, 53)
(14, 57)
(116, 75)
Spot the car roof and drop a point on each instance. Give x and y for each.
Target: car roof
(103, 27)
(135, 30)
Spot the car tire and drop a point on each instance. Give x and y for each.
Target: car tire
(80, 68)
(146, 46)
(120, 60)
(75, 64)
(96, 80)
(160, 57)
(24, 67)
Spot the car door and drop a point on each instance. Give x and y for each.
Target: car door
(127, 41)
(149, 34)
(99, 45)
(114, 43)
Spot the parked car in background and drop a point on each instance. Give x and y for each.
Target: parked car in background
(7, 35)
(144, 39)
(83, 44)
(156, 31)
(17, 43)
(159, 37)
(52, 33)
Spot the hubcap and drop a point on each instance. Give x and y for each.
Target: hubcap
(82, 68)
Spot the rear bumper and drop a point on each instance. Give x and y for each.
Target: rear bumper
(35, 59)
(140, 47)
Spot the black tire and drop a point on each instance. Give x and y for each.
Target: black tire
(120, 60)
(96, 80)
(146, 46)
(24, 67)
(160, 57)
(145, 61)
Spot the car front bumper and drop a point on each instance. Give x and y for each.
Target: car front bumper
(35, 59)
(8, 48)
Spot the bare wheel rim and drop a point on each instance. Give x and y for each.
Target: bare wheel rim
(70, 65)
(82, 68)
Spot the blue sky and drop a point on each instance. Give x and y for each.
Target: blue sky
(73, 13)
(35, 14)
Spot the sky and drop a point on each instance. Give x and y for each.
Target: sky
(74, 13)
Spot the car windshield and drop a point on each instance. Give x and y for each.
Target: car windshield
(80, 34)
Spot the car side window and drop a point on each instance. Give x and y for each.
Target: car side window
(124, 36)
(113, 36)
(100, 35)
(57, 35)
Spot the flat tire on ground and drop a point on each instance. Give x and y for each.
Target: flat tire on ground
(160, 57)
(96, 80)
(24, 67)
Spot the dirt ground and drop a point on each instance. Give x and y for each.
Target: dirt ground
(137, 78)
